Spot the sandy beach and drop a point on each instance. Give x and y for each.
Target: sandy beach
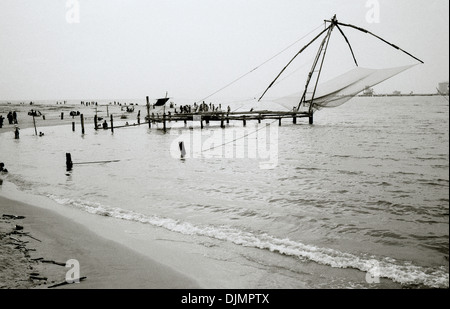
(36, 243)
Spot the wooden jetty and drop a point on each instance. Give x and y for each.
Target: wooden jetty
(204, 118)
(226, 117)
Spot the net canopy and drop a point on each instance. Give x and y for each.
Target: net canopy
(339, 90)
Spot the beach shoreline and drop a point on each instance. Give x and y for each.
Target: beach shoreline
(104, 263)
(174, 253)
(36, 255)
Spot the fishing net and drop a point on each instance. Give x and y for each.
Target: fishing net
(339, 90)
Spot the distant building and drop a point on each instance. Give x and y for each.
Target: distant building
(368, 91)
(396, 92)
(443, 88)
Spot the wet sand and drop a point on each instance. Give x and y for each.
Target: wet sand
(36, 243)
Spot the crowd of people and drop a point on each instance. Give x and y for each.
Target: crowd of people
(199, 108)
(12, 118)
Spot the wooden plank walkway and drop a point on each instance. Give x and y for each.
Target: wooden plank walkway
(223, 117)
(207, 117)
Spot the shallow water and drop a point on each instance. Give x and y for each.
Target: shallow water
(366, 187)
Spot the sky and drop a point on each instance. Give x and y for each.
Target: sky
(114, 49)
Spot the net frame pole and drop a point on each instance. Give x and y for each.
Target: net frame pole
(323, 48)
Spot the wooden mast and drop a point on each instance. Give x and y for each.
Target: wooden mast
(320, 54)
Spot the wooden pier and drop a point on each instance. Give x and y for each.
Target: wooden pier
(222, 117)
(205, 118)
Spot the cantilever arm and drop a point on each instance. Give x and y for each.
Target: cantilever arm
(367, 31)
(342, 32)
(271, 84)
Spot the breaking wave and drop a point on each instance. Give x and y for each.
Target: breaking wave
(403, 272)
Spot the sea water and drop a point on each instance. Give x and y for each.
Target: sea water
(365, 188)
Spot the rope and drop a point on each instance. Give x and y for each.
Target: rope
(257, 67)
(244, 136)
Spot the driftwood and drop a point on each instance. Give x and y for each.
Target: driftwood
(38, 278)
(12, 216)
(64, 283)
(24, 234)
(15, 239)
(53, 262)
(27, 234)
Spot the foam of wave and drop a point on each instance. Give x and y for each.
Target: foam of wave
(402, 272)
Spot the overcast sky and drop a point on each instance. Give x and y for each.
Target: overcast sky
(192, 48)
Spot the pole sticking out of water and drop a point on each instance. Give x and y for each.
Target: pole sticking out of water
(82, 123)
(69, 162)
(112, 124)
(182, 149)
(34, 123)
(148, 113)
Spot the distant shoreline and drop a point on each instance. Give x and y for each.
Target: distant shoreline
(71, 102)
(403, 95)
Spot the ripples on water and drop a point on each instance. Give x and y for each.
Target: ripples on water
(366, 187)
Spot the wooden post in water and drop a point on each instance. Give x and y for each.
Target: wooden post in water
(279, 121)
(107, 111)
(182, 149)
(244, 122)
(69, 163)
(311, 120)
(221, 122)
(82, 123)
(294, 119)
(62, 115)
(228, 119)
(73, 126)
(148, 112)
(95, 122)
(164, 122)
(34, 123)
(112, 124)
